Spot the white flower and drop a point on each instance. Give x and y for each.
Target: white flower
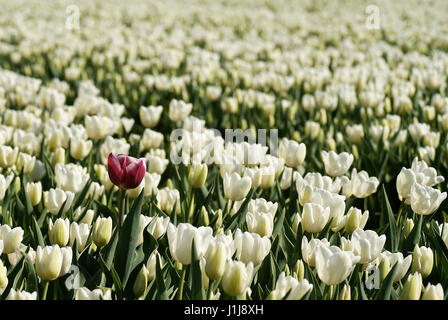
(425, 200)
(52, 261)
(150, 116)
(99, 127)
(235, 187)
(336, 164)
(314, 217)
(309, 249)
(237, 277)
(156, 164)
(251, 247)
(96, 294)
(21, 295)
(8, 156)
(179, 110)
(297, 289)
(433, 292)
(158, 228)
(116, 146)
(80, 234)
(54, 199)
(71, 177)
(4, 184)
(167, 199)
(292, 152)
(334, 265)
(355, 133)
(180, 239)
(150, 140)
(367, 244)
(360, 185)
(260, 222)
(403, 263)
(11, 238)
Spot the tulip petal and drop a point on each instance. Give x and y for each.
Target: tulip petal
(115, 170)
(133, 174)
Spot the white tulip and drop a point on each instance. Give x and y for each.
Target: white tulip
(336, 164)
(425, 200)
(367, 244)
(21, 295)
(334, 265)
(54, 199)
(235, 187)
(179, 110)
(180, 240)
(292, 152)
(309, 249)
(80, 234)
(297, 289)
(251, 247)
(11, 238)
(150, 116)
(314, 217)
(237, 277)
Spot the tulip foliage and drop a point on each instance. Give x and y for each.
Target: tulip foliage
(212, 151)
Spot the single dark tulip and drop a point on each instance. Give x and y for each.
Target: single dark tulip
(126, 172)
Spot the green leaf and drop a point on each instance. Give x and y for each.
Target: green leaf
(197, 287)
(39, 238)
(387, 285)
(414, 237)
(127, 241)
(161, 288)
(240, 216)
(392, 236)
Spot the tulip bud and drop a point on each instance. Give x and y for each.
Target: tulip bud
(299, 270)
(355, 219)
(102, 231)
(203, 217)
(218, 222)
(59, 233)
(141, 282)
(151, 265)
(16, 185)
(384, 268)
(422, 261)
(345, 293)
(34, 191)
(429, 113)
(408, 227)
(216, 257)
(58, 156)
(433, 292)
(197, 175)
(412, 288)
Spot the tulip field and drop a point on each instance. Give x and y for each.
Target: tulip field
(223, 150)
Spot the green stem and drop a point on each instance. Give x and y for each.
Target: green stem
(44, 293)
(181, 283)
(121, 212)
(209, 291)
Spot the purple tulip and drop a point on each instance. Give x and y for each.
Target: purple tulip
(126, 172)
